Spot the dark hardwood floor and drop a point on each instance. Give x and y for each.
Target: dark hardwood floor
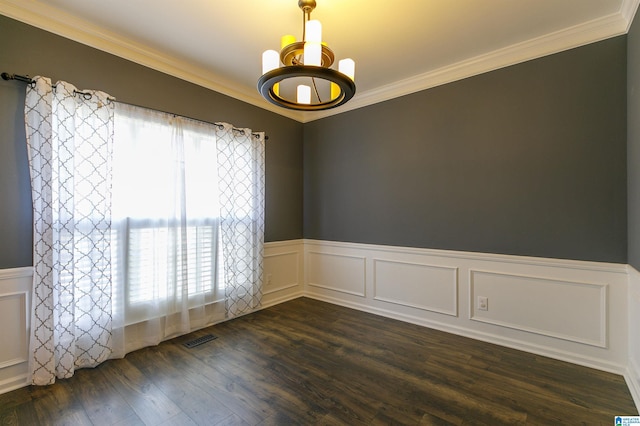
(308, 362)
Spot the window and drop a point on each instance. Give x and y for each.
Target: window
(165, 212)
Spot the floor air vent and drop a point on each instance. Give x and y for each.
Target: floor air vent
(199, 341)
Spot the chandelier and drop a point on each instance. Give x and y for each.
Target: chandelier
(288, 77)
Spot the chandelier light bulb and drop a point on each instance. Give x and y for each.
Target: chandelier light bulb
(313, 30)
(347, 67)
(304, 94)
(313, 53)
(286, 40)
(313, 43)
(270, 61)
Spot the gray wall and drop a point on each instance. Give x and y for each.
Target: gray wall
(633, 143)
(27, 50)
(525, 160)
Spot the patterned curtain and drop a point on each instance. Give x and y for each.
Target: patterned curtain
(69, 140)
(241, 183)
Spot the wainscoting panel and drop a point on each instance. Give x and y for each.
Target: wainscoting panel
(15, 299)
(575, 311)
(632, 375)
(427, 287)
(339, 273)
(14, 309)
(568, 310)
(283, 271)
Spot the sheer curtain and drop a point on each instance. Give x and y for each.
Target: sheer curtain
(146, 226)
(69, 142)
(188, 222)
(166, 222)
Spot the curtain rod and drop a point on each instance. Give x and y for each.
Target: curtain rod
(29, 80)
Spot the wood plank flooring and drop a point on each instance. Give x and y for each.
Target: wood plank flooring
(308, 362)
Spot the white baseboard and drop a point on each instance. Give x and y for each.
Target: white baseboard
(15, 382)
(632, 378)
(277, 300)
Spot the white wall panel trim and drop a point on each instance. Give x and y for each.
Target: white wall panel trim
(296, 261)
(420, 289)
(283, 275)
(22, 298)
(346, 274)
(600, 342)
(289, 259)
(597, 314)
(632, 375)
(15, 316)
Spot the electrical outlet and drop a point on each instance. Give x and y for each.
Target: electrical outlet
(483, 303)
(268, 279)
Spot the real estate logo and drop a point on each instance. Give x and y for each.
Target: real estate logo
(627, 420)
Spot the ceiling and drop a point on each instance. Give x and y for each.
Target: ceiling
(399, 47)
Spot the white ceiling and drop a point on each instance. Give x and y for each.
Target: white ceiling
(399, 47)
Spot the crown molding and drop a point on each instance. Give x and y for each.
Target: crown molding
(565, 39)
(628, 10)
(53, 20)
